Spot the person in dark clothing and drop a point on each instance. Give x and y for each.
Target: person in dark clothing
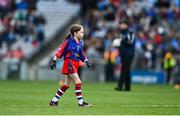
(126, 51)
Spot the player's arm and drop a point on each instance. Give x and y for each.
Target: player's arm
(83, 58)
(60, 51)
(58, 54)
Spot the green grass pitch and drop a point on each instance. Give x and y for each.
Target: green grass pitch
(32, 98)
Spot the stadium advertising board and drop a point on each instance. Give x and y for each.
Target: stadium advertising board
(148, 77)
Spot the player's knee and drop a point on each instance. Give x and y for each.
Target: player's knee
(77, 81)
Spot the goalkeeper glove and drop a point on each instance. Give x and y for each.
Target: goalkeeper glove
(88, 64)
(53, 64)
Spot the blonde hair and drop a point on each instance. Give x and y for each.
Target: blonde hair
(168, 55)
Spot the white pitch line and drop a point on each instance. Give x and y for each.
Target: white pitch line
(123, 105)
(153, 105)
(24, 105)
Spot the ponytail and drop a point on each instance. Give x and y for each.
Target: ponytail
(68, 36)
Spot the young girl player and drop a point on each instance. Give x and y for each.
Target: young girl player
(72, 51)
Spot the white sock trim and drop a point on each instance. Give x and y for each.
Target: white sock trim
(55, 99)
(60, 91)
(58, 95)
(80, 101)
(79, 96)
(78, 91)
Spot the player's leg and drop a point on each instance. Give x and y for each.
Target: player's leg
(68, 80)
(60, 91)
(78, 90)
(78, 85)
(168, 75)
(122, 75)
(127, 78)
(128, 75)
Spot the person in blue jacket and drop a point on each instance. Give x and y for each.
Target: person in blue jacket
(126, 52)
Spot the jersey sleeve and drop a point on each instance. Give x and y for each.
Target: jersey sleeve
(61, 49)
(83, 57)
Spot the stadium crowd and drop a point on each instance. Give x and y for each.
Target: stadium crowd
(19, 21)
(155, 22)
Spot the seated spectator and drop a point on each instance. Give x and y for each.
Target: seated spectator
(18, 53)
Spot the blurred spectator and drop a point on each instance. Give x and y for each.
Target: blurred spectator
(3, 50)
(110, 57)
(154, 21)
(126, 51)
(18, 53)
(169, 64)
(20, 22)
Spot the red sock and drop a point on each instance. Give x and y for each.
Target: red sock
(60, 92)
(78, 92)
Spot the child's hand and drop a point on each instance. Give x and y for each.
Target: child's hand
(53, 64)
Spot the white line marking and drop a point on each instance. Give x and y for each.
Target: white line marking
(24, 105)
(151, 105)
(123, 105)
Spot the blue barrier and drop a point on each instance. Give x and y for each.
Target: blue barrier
(148, 77)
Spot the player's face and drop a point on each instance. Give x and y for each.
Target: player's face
(80, 34)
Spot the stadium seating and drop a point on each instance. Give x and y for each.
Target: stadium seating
(149, 21)
(56, 14)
